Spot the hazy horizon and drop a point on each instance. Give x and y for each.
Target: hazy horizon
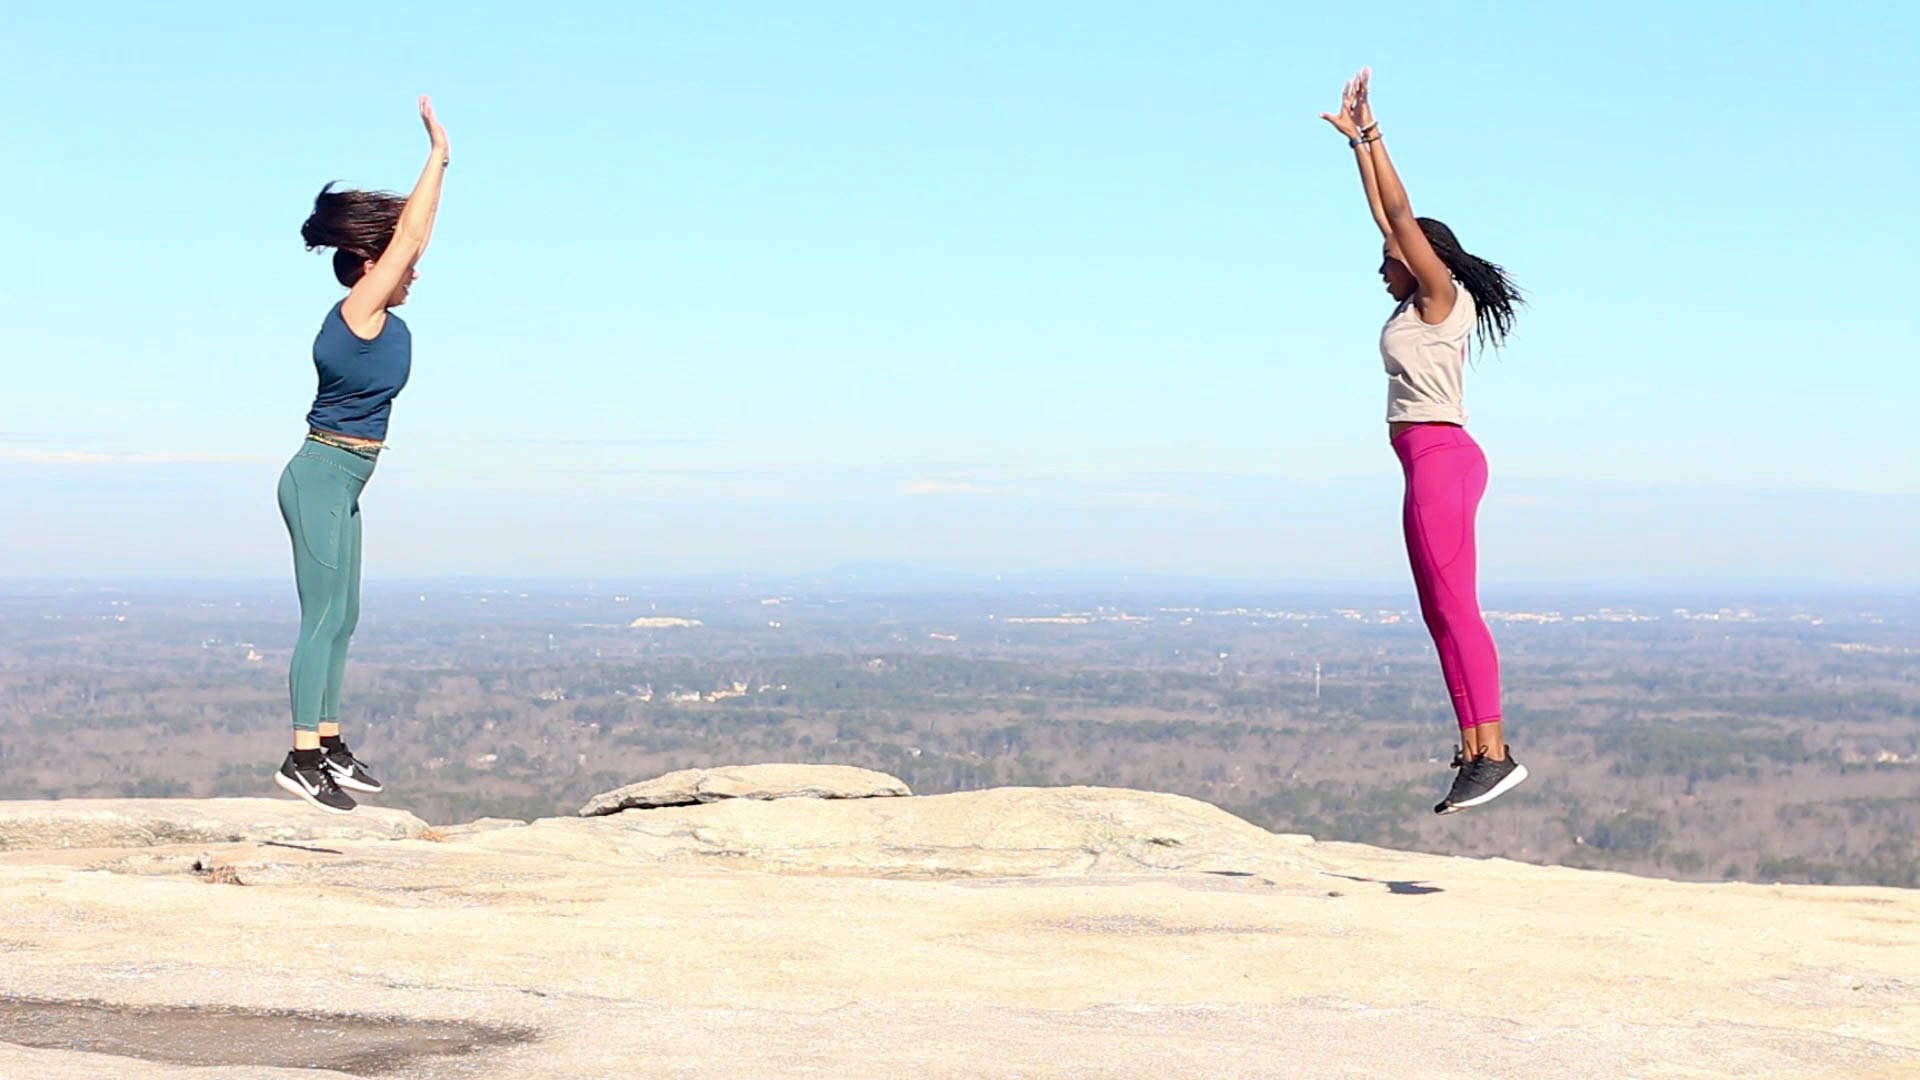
(87, 520)
(1050, 582)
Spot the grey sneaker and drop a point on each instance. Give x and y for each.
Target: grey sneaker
(1480, 780)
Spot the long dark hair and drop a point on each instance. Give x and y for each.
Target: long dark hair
(1494, 294)
(357, 225)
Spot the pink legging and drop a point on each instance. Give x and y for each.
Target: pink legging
(1446, 475)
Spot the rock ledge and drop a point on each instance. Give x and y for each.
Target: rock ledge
(128, 823)
(690, 786)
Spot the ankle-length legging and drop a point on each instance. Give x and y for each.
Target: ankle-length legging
(1446, 476)
(320, 501)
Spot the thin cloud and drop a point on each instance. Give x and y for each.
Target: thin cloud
(128, 457)
(1161, 499)
(937, 485)
(495, 441)
(1068, 490)
(675, 472)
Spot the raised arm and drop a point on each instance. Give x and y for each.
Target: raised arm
(1347, 122)
(1437, 290)
(365, 308)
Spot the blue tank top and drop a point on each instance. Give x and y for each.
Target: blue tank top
(359, 378)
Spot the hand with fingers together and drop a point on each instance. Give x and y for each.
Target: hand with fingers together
(435, 133)
(1345, 120)
(1355, 118)
(1362, 108)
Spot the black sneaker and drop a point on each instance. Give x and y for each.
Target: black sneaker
(349, 771)
(314, 783)
(1480, 780)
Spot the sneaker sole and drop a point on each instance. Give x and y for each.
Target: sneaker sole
(1508, 783)
(294, 787)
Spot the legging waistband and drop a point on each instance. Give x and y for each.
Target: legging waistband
(1418, 440)
(369, 451)
(356, 469)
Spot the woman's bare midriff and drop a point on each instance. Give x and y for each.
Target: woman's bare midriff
(354, 439)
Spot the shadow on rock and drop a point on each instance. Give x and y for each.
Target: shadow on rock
(1398, 888)
(356, 1045)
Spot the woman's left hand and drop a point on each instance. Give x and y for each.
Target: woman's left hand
(434, 131)
(1359, 108)
(1343, 120)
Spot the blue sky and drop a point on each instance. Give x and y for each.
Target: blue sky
(999, 285)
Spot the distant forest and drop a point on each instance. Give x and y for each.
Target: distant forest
(1774, 741)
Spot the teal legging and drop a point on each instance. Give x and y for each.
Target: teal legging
(320, 500)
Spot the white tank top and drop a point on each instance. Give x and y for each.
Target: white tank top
(1426, 362)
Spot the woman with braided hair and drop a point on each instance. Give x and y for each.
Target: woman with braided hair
(363, 355)
(1444, 296)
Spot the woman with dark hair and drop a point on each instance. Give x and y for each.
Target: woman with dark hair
(363, 354)
(1444, 296)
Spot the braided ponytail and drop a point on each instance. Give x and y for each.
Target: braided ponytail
(1494, 294)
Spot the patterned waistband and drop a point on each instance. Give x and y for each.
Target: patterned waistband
(370, 451)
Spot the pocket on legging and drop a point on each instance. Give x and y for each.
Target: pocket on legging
(312, 518)
(1459, 519)
(1444, 519)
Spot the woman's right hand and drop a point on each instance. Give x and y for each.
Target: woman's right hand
(434, 131)
(1344, 120)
